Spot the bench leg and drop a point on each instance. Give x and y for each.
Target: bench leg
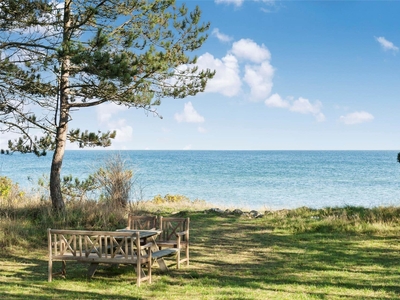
(187, 255)
(162, 264)
(63, 269)
(92, 269)
(50, 270)
(178, 259)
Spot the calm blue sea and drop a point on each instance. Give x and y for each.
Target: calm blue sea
(244, 179)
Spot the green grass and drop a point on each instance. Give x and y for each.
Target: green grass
(333, 253)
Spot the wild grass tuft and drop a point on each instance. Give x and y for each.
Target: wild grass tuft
(337, 219)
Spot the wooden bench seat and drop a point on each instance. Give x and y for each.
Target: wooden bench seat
(94, 247)
(165, 253)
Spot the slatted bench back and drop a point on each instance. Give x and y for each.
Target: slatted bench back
(83, 244)
(172, 226)
(142, 222)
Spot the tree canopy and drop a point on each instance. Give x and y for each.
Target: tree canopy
(59, 56)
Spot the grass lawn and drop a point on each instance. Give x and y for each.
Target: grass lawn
(274, 257)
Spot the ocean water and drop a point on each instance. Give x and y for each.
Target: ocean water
(243, 179)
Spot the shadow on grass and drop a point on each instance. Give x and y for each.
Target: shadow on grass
(31, 274)
(248, 254)
(239, 256)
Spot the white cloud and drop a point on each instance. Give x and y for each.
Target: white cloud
(257, 72)
(226, 80)
(249, 50)
(234, 2)
(357, 117)
(187, 147)
(386, 45)
(201, 129)
(124, 131)
(124, 134)
(220, 36)
(304, 106)
(106, 115)
(301, 105)
(106, 110)
(276, 101)
(239, 3)
(189, 115)
(259, 79)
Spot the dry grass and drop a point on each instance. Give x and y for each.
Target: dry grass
(334, 253)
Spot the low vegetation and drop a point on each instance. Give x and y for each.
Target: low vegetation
(330, 253)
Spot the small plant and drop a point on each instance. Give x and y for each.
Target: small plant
(170, 199)
(6, 186)
(115, 180)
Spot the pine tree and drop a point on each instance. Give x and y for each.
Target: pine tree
(56, 57)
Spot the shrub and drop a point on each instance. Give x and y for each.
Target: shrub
(115, 180)
(5, 186)
(170, 199)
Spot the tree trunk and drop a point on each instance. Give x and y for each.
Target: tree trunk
(63, 108)
(55, 173)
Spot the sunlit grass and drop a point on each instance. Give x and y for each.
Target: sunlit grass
(331, 253)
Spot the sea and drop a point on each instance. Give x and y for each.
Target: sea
(236, 179)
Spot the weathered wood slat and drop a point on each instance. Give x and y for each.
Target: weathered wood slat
(164, 253)
(94, 247)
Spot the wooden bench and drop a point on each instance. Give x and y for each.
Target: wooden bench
(164, 253)
(174, 236)
(95, 247)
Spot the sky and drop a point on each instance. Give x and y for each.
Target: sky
(290, 75)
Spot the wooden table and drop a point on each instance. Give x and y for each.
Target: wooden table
(150, 236)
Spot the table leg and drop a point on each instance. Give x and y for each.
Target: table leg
(92, 269)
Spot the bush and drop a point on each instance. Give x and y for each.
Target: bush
(116, 181)
(170, 199)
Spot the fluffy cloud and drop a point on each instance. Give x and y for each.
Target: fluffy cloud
(300, 105)
(220, 36)
(189, 115)
(239, 3)
(276, 101)
(386, 45)
(259, 79)
(234, 2)
(124, 132)
(249, 50)
(106, 110)
(254, 65)
(226, 80)
(107, 113)
(356, 118)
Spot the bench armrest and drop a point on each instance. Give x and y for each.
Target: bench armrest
(148, 245)
(182, 233)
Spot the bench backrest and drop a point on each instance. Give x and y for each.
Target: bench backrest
(172, 226)
(103, 244)
(141, 222)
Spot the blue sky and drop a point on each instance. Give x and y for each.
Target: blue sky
(291, 75)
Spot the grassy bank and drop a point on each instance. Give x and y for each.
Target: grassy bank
(332, 253)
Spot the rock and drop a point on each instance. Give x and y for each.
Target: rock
(217, 210)
(237, 212)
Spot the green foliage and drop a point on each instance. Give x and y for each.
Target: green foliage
(5, 186)
(126, 52)
(336, 219)
(10, 196)
(8, 189)
(233, 258)
(72, 188)
(170, 199)
(55, 59)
